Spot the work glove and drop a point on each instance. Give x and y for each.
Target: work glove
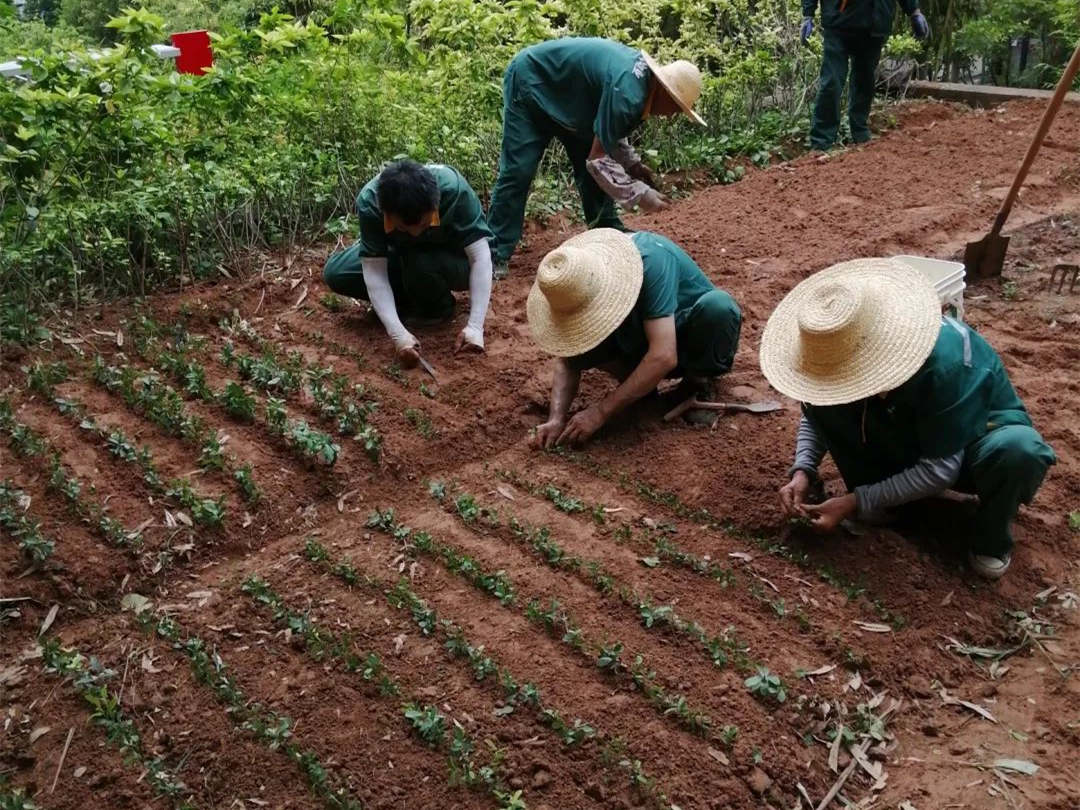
(806, 30)
(919, 26)
(639, 171)
(653, 201)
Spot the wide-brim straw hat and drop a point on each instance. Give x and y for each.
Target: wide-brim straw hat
(851, 331)
(682, 81)
(583, 290)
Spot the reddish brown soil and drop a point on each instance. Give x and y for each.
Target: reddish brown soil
(884, 608)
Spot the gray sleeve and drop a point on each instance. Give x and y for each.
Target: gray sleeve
(809, 449)
(926, 477)
(611, 176)
(625, 154)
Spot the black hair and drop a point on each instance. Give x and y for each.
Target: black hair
(407, 191)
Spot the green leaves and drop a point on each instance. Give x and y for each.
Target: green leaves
(766, 685)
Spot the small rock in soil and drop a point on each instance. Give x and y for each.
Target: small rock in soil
(517, 783)
(541, 779)
(930, 730)
(596, 791)
(958, 749)
(919, 686)
(759, 781)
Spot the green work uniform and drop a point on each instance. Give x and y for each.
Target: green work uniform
(573, 89)
(707, 320)
(961, 399)
(422, 269)
(853, 36)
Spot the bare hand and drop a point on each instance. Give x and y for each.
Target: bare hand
(793, 495)
(653, 201)
(639, 171)
(827, 516)
(409, 356)
(467, 340)
(582, 426)
(547, 434)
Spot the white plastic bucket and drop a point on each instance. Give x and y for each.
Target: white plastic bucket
(947, 278)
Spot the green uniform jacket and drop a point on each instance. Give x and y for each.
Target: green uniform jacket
(875, 16)
(460, 220)
(960, 393)
(588, 86)
(672, 283)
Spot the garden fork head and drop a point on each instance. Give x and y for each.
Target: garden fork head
(1062, 272)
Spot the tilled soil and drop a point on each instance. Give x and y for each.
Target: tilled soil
(559, 630)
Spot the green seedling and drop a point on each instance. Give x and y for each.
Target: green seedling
(421, 422)
(44, 377)
(238, 403)
(427, 722)
(208, 512)
(563, 503)
(212, 455)
(766, 685)
(244, 479)
(609, 658)
(332, 302)
(467, 508)
(313, 443)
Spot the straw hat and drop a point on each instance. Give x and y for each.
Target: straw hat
(682, 81)
(583, 290)
(851, 331)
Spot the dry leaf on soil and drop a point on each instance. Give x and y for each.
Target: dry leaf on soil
(1018, 765)
(38, 732)
(45, 625)
(719, 756)
(949, 700)
(873, 627)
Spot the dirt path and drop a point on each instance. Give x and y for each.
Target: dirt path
(580, 626)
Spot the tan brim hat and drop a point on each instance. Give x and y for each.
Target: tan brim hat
(583, 290)
(851, 331)
(682, 81)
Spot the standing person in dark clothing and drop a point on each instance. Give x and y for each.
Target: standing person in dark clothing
(855, 32)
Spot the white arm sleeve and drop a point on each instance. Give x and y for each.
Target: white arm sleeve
(480, 279)
(611, 176)
(377, 281)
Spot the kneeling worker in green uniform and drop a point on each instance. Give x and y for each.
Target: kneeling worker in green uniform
(635, 306)
(907, 403)
(422, 234)
(590, 94)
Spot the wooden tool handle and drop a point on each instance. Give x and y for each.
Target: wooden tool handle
(1048, 118)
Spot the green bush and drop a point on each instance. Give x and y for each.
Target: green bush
(118, 175)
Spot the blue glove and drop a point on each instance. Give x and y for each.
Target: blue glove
(806, 30)
(919, 26)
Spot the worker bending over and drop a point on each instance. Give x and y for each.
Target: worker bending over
(422, 234)
(907, 403)
(635, 306)
(855, 33)
(590, 94)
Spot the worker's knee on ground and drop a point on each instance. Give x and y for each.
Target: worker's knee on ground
(720, 315)
(341, 270)
(1018, 453)
(708, 342)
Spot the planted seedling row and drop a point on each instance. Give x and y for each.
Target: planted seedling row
(487, 669)
(61, 480)
(669, 705)
(703, 517)
(432, 727)
(718, 649)
(90, 678)
(34, 546)
(205, 511)
(337, 400)
(271, 729)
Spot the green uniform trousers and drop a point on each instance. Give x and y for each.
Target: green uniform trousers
(861, 51)
(527, 132)
(420, 278)
(1004, 468)
(706, 341)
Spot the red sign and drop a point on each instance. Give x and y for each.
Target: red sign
(195, 54)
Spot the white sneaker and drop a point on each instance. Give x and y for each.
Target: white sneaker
(988, 567)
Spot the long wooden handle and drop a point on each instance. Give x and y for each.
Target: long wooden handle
(1048, 118)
